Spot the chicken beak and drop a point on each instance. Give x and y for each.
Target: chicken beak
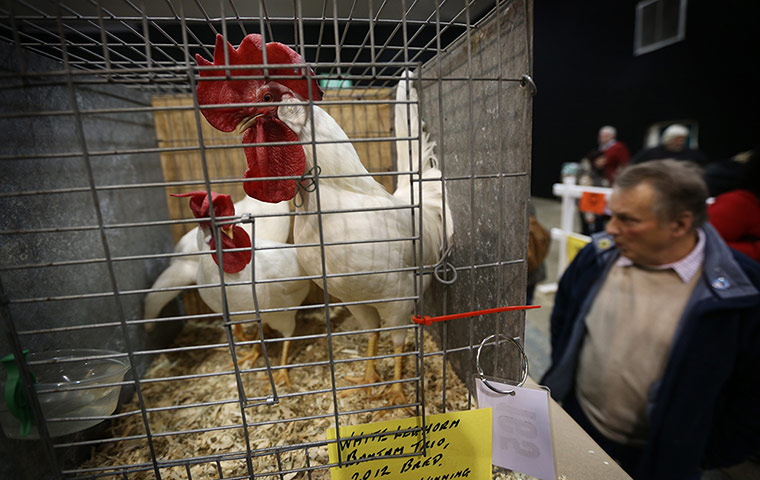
(246, 123)
(228, 231)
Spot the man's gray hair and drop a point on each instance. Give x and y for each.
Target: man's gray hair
(609, 129)
(678, 185)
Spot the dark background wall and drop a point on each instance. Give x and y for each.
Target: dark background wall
(587, 76)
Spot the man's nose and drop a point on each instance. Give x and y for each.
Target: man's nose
(612, 227)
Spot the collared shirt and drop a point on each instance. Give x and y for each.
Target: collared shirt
(607, 145)
(686, 267)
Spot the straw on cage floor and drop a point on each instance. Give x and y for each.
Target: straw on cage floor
(302, 416)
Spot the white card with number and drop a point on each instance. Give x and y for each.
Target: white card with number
(522, 438)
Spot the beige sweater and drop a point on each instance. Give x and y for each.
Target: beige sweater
(629, 330)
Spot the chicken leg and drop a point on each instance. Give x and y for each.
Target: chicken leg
(395, 393)
(370, 372)
(282, 377)
(255, 350)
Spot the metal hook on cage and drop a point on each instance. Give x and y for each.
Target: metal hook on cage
(527, 80)
(307, 183)
(441, 272)
(524, 363)
(442, 267)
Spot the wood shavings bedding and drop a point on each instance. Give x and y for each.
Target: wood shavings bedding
(203, 382)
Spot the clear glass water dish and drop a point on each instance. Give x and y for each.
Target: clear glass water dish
(71, 385)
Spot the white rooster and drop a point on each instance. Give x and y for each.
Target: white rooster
(368, 254)
(277, 273)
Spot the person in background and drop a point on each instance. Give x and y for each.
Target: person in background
(655, 332)
(724, 175)
(736, 214)
(672, 145)
(616, 154)
(591, 173)
(539, 241)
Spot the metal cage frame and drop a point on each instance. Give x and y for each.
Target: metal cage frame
(93, 45)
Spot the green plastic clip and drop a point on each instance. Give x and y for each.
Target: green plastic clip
(15, 395)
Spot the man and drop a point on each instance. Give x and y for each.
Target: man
(673, 145)
(616, 155)
(656, 332)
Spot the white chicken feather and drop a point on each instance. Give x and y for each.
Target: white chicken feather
(385, 230)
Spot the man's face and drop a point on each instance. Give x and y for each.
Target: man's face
(638, 233)
(604, 137)
(676, 144)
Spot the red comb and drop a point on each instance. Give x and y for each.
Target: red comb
(249, 53)
(223, 206)
(233, 262)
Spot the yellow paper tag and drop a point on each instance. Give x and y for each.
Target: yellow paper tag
(458, 445)
(575, 244)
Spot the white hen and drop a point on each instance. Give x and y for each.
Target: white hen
(274, 267)
(278, 276)
(182, 270)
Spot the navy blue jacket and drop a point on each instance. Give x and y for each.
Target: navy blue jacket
(705, 411)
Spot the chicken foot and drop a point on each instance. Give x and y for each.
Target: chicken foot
(282, 377)
(370, 372)
(255, 350)
(395, 394)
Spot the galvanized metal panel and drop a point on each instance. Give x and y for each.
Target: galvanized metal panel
(480, 115)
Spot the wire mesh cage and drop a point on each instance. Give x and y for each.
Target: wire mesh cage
(145, 337)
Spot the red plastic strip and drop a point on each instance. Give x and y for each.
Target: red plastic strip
(427, 321)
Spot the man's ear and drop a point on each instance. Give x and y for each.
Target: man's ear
(683, 224)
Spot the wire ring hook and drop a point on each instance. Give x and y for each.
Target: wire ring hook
(524, 364)
(306, 184)
(527, 80)
(440, 272)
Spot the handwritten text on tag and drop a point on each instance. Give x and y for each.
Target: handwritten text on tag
(457, 445)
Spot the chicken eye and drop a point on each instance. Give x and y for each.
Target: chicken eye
(268, 97)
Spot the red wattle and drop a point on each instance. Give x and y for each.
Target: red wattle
(272, 161)
(233, 262)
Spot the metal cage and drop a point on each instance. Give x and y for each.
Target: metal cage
(100, 124)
